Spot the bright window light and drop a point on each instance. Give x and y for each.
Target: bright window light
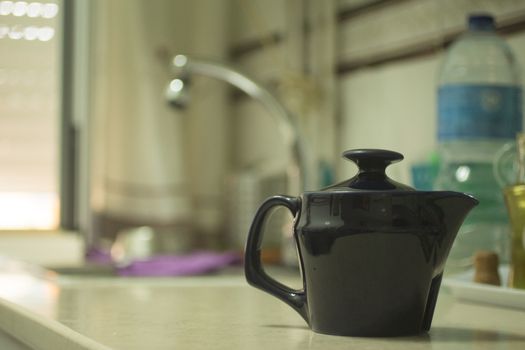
(49, 10)
(45, 33)
(28, 210)
(33, 9)
(29, 109)
(6, 7)
(4, 30)
(15, 33)
(20, 8)
(27, 33)
(30, 33)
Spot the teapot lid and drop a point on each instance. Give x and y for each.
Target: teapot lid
(371, 175)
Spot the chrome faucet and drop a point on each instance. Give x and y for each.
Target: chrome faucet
(177, 94)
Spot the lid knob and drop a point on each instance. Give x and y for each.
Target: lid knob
(372, 164)
(372, 160)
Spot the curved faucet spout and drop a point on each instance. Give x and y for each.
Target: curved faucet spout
(184, 66)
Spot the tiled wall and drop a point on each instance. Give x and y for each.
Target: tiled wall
(389, 105)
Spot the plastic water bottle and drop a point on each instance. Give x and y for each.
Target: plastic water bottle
(479, 111)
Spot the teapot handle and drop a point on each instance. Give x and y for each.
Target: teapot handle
(253, 269)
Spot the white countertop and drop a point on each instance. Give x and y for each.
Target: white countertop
(216, 312)
(46, 311)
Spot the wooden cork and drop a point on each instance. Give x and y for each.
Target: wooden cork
(486, 268)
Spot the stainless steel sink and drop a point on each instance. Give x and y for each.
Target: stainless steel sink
(107, 274)
(88, 270)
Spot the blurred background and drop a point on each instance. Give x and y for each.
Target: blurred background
(89, 143)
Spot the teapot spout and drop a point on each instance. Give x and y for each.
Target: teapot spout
(453, 208)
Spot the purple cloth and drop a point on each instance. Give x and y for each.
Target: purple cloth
(196, 263)
(98, 256)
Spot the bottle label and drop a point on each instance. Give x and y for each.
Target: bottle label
(479, 111)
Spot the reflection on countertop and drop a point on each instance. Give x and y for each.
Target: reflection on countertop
(209, 312)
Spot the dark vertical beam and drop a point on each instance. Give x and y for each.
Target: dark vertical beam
(373, 5)
(67, 177)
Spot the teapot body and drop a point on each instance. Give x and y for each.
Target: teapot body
(372, 251)
(372, 263)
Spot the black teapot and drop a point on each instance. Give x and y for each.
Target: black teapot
(372, 251)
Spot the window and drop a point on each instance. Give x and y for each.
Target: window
(30, 47)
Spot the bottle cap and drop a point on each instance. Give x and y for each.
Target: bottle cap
(480, 22)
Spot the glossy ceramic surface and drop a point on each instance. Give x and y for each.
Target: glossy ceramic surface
(372, 251)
